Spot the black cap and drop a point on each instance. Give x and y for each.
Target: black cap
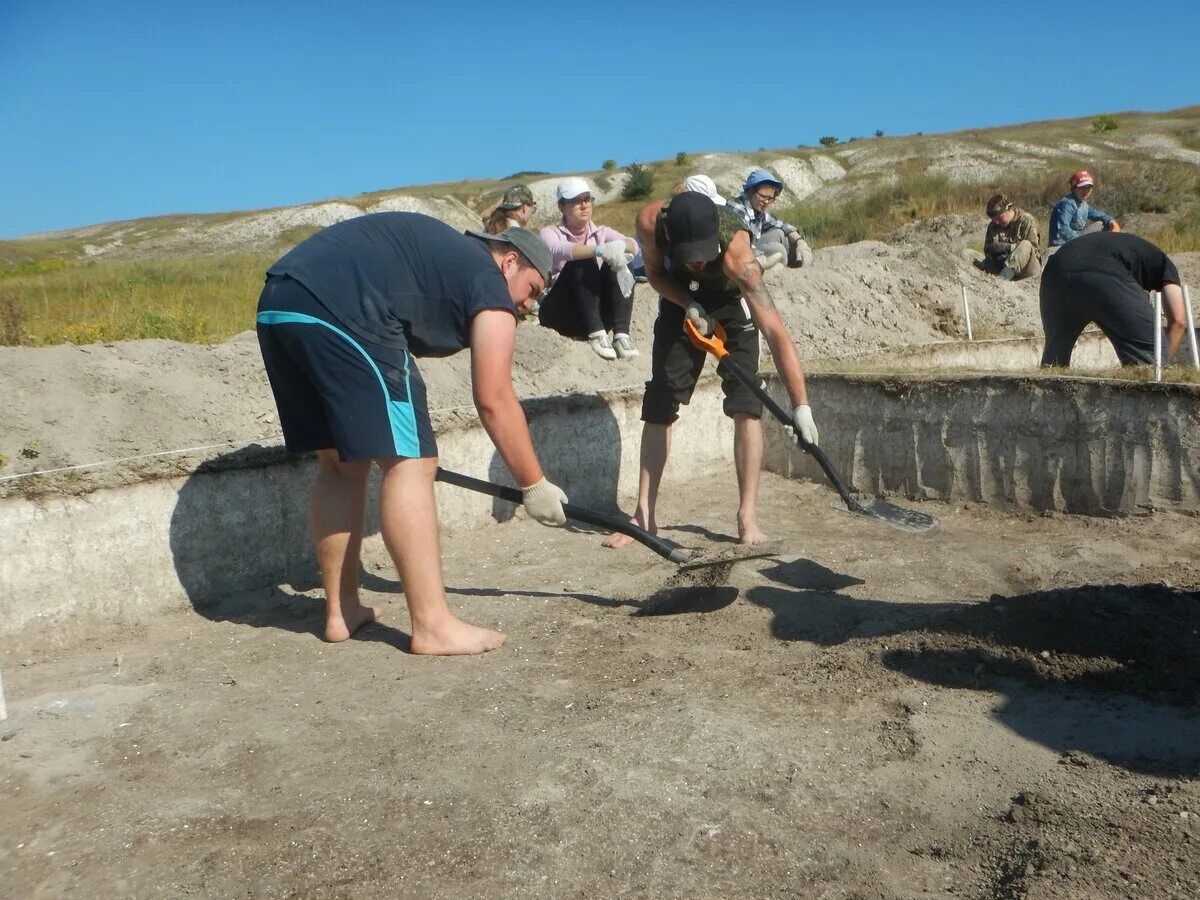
(692, 228)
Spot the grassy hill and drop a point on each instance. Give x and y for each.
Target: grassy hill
(196, 277)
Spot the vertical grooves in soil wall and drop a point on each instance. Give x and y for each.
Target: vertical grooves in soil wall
(1089, 447)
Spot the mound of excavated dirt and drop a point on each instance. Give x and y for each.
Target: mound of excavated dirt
(73, 405)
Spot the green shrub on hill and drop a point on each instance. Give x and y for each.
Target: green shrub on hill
(640, 183)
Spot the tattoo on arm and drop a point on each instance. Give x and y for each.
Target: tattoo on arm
(754, 289)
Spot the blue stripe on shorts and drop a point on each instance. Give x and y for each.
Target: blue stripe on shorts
(401, 416)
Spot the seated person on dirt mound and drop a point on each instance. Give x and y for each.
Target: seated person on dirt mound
(700, 259)
(514, 210)
(592, 292)
(1072, 215)
(774, 241)
(1010, 245)
(1103, 278)
(702, 184)
(340, 320)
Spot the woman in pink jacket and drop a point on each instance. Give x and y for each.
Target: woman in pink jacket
(586, 300)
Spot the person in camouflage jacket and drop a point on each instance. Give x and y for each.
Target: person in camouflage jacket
(1011, 246)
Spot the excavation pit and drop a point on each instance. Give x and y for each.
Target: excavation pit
(1006, 703)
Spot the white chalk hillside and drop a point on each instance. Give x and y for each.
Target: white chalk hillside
(810, 175)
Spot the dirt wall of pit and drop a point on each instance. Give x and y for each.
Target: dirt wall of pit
(238, 521)
(1092, 353)
(1036, 444)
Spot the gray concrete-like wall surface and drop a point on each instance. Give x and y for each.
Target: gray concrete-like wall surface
(1093, 352)
(1071, 445)
(239, 521)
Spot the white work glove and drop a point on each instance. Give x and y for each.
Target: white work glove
(625, 281)
(799, 254)
(544, 502)
(802, 421)
(705, 324)
(616, 255)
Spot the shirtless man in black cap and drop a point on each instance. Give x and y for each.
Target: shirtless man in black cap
(700, 259)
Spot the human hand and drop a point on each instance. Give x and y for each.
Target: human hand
(614, 253)
(801, 255)
(544, 502)
(1111, 225)
(802, 421)
(704, 323)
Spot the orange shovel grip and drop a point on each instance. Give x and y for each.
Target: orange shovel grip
(714, 344)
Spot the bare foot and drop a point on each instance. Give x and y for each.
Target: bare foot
(616, 540)
(454, 637)
(751, 534)
(339, 627)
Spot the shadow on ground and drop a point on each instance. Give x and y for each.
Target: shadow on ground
(1107, 670)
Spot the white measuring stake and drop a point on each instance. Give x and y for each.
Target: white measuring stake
(967, 312)
(1157, 336)
(1191, 326)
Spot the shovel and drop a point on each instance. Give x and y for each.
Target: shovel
(686, 558)
(872, 507)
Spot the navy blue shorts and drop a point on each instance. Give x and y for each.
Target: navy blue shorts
(335, 390)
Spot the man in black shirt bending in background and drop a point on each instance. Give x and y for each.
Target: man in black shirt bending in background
(1103, 278)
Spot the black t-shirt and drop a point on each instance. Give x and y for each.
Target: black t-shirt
(1123, 256)
(395, 275)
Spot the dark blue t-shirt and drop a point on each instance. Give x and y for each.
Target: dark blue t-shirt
(400, 276)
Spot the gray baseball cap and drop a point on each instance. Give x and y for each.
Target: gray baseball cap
(532, 247)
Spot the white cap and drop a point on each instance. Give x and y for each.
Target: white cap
(570, 188)
(702, 184)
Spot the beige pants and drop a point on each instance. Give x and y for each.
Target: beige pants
(1024, 258)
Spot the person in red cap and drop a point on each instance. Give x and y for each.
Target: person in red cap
(1071, 215)
(700, 259)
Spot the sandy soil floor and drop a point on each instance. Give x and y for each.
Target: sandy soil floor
(1003, 709)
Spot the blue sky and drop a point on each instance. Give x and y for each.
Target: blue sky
(127, 109)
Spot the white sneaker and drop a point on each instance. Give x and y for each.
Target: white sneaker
(623, 344)
(769, 260)
(602, 346)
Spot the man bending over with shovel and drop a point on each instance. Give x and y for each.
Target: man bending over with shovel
(700, 259)
(340, 320)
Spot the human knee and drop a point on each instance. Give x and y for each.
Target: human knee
(741, 406)
(659, 406)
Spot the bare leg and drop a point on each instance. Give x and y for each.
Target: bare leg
(656, 447)
(335, 522)
(747, 459)
(408, 521)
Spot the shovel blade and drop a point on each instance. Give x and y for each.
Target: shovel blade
(731, 553)
(889, 513)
